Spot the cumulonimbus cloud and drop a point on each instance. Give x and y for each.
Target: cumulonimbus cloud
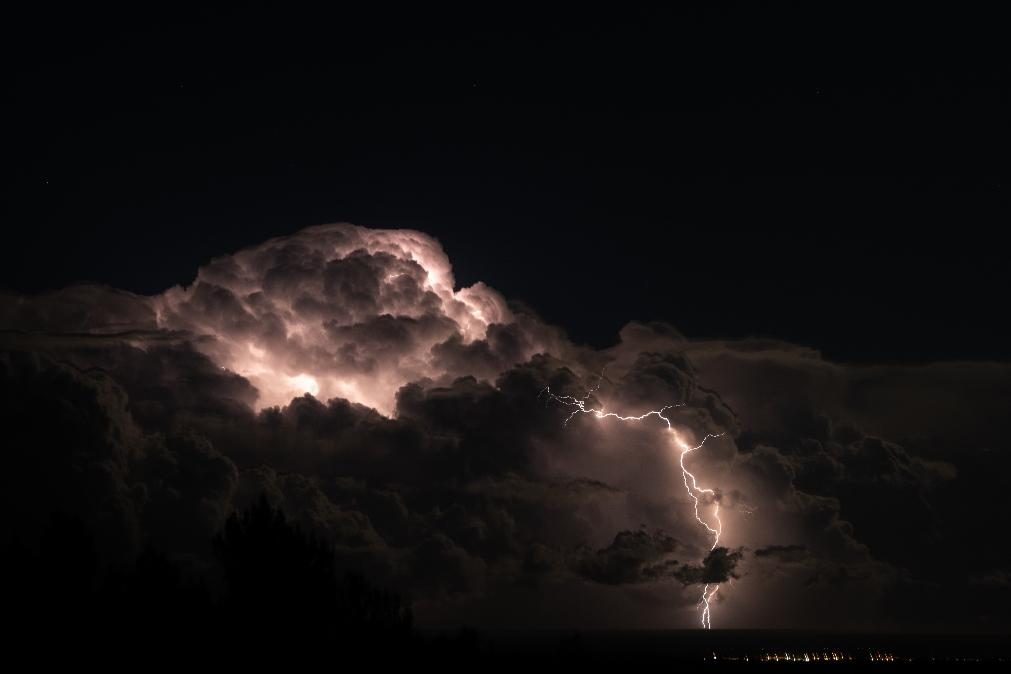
(425, 453)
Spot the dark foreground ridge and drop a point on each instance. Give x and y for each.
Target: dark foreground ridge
(274, 594)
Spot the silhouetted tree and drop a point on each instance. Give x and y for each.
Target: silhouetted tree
(282, 584)
(278, 588)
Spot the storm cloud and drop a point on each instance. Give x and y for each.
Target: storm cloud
(340, 374)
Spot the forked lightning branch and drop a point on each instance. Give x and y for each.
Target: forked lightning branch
(578, 406)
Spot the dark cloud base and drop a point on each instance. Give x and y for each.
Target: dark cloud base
(873, 490)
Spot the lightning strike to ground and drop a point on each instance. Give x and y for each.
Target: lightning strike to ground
(578, 406)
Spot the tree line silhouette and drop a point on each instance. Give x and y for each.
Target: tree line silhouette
(270, 588)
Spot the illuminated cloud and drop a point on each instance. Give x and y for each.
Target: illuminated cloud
(345, 311)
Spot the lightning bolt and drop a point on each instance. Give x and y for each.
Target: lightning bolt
(578, 406)
(704, 603)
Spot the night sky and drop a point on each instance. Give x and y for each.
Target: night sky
(790, 219)
(822, 173)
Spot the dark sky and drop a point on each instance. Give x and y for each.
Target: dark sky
(825, 176)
